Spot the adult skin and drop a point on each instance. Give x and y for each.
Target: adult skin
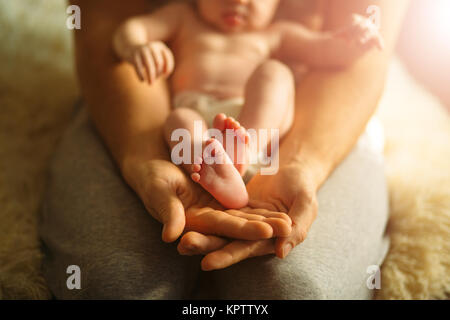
(332, 109)
(129, 116)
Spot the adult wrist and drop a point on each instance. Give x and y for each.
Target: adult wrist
(134, 157)
(315, 168)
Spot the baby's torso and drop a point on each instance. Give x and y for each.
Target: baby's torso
(210, 61)
(213, 62)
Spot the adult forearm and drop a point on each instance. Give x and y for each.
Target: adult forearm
(332, 109)
(127, 113)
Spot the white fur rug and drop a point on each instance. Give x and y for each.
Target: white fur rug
(417, 155)
(37, 92)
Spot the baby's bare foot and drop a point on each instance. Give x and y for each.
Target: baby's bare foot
(220, 178)
(238, 151)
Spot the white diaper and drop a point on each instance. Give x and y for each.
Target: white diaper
(207, 105)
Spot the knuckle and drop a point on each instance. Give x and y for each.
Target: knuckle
(189, 241)
(249, 251)
(301, 235)
(162, 45)
(169, 53)
(314, 207)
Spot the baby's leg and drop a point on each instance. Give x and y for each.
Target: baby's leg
(269, 104)
(269, 99)
(184, 118)
(220, 178)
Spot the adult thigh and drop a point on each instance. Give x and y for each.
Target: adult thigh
(345, 240)
(93, 220)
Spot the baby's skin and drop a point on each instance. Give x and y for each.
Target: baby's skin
(226, 48)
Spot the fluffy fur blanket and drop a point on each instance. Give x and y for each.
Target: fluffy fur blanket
(37, 92)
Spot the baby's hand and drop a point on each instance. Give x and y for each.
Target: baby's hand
(362, 33)
(152, 61)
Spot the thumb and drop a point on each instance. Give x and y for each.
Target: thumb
(170, 211)
(303, 213)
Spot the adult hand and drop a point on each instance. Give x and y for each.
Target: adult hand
(180, 205)
(292, 190)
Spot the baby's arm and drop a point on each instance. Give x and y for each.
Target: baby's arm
(325, 49)
(139, 41)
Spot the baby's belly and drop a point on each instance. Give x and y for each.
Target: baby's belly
(221, 78)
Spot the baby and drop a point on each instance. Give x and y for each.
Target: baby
(226, 76)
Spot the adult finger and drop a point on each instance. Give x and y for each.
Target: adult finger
(252, 203)
(194, 243)
(166, 207)
(267, 213)
(281, 226)
(303, 213)
(216, 222)
(235, 252)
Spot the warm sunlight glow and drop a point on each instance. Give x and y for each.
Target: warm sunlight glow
(439, 19)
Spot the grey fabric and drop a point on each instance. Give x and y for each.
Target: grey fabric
(93, 220)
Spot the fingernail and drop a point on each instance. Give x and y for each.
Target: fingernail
(191, 247)
(287, 248)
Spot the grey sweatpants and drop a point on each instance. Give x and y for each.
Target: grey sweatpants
(93, 220)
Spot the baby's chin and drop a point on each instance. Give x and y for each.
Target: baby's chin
(226, 28)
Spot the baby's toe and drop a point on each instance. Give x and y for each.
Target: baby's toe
(231, 123)
(243, 135)
(198, 160)
(195, 176)
(219, 122)
(215, 149)
(235, 124)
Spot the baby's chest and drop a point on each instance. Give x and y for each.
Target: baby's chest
(226, 46)
(209, 61)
